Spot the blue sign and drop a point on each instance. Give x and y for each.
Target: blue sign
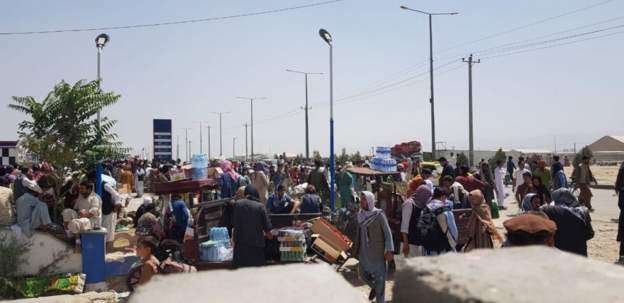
(163, 147)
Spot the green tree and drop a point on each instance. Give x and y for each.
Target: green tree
(63, 129)
(356, 158)
(499, 156)
(316, 155)
(343, 158)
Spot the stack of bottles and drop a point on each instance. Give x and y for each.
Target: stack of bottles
(218, 248)
(199, 166)
(292, 245)
(383, 160)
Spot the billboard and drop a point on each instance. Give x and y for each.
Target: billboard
(162, 142)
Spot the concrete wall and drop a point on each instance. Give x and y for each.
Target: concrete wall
(44, 249)
(299, 283)
(531, 274)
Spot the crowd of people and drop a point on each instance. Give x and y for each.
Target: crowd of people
(549, 213)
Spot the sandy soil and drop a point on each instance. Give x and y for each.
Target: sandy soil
(605, 175)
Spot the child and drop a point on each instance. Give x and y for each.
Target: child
(145, 250)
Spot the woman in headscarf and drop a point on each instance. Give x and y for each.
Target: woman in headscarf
(574, 226)
(486, 175)
(413, 184)
(229, 180)
(373, 246)
(559, 179)
(410, 212)
(344, 181)
(481, 228)
(532, 202)
(260, 181)
(541, 190)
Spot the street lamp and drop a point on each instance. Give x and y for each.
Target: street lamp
(251, 100)
(100, 42)
(326, 36)
(307, 127)
(433, 142)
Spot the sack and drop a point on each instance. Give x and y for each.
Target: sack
(172, 267)
(430, 234)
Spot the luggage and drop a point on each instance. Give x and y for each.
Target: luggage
(430, 234)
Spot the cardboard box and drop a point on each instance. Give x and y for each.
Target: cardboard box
(326, 250)
(331, 235)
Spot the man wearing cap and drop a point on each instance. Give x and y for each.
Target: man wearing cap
(447, 169)
(280, 202)
(530, 229)
(31, 212)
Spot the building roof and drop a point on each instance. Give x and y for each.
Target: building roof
(608, 143)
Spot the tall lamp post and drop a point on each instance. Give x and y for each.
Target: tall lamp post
(307, 127)
(326, 36)
(251, 100)
(431, 100)
(100, 42)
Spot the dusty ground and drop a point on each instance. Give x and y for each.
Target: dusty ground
(605, 175)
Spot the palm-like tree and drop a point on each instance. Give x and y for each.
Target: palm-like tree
(62, 128)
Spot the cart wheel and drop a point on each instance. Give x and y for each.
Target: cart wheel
(132, 280)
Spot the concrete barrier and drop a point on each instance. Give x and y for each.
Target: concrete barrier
(513, 275)
(288, 283)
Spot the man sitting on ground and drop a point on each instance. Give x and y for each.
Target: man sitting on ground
(87, 211)
(32, 214)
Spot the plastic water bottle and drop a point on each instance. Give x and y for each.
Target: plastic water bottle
(199, 164)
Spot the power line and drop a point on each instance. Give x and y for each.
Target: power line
(533, 44)
(549, 35)
(209, 19)
(552, 46)
(578, 10)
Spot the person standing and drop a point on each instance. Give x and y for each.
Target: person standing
(7, 211)
(261, 183)
(139, 180)
(251, 225)
(584, 178)
(499, 182)
(318, 178)
(127, 179)
(559, 179)
(181, 215)
(574, 226)
(525, 188)
(543, 173)
(447, 168)
(619, 190)
(344, 181)
(481, 229)
(486, 176)
(510, 167)
(518, 176)
(373, 246)
(410, 213)
(228, 181)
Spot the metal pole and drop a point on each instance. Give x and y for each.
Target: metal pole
(99, 79)
(433, 142)
(252, 132)
(233, 147)
(209, 148)
(220, 135)
(307, 126)
(246, 154)
(332, 194)
(201, 140)
(470, 123)
(178, 149)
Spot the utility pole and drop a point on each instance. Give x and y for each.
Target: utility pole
(246, 154)
(220, 131)
(430, 14)
(186, 149)
(306, 108)
(470, 62)
(201, 140)
(233, 148)
(209, 149)
(251, 100)
(178, 149)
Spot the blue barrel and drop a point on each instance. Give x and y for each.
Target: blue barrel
(94, 255)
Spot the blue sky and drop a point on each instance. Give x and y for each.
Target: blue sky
(567, 94)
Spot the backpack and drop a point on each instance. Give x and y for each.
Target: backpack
(430, 235)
